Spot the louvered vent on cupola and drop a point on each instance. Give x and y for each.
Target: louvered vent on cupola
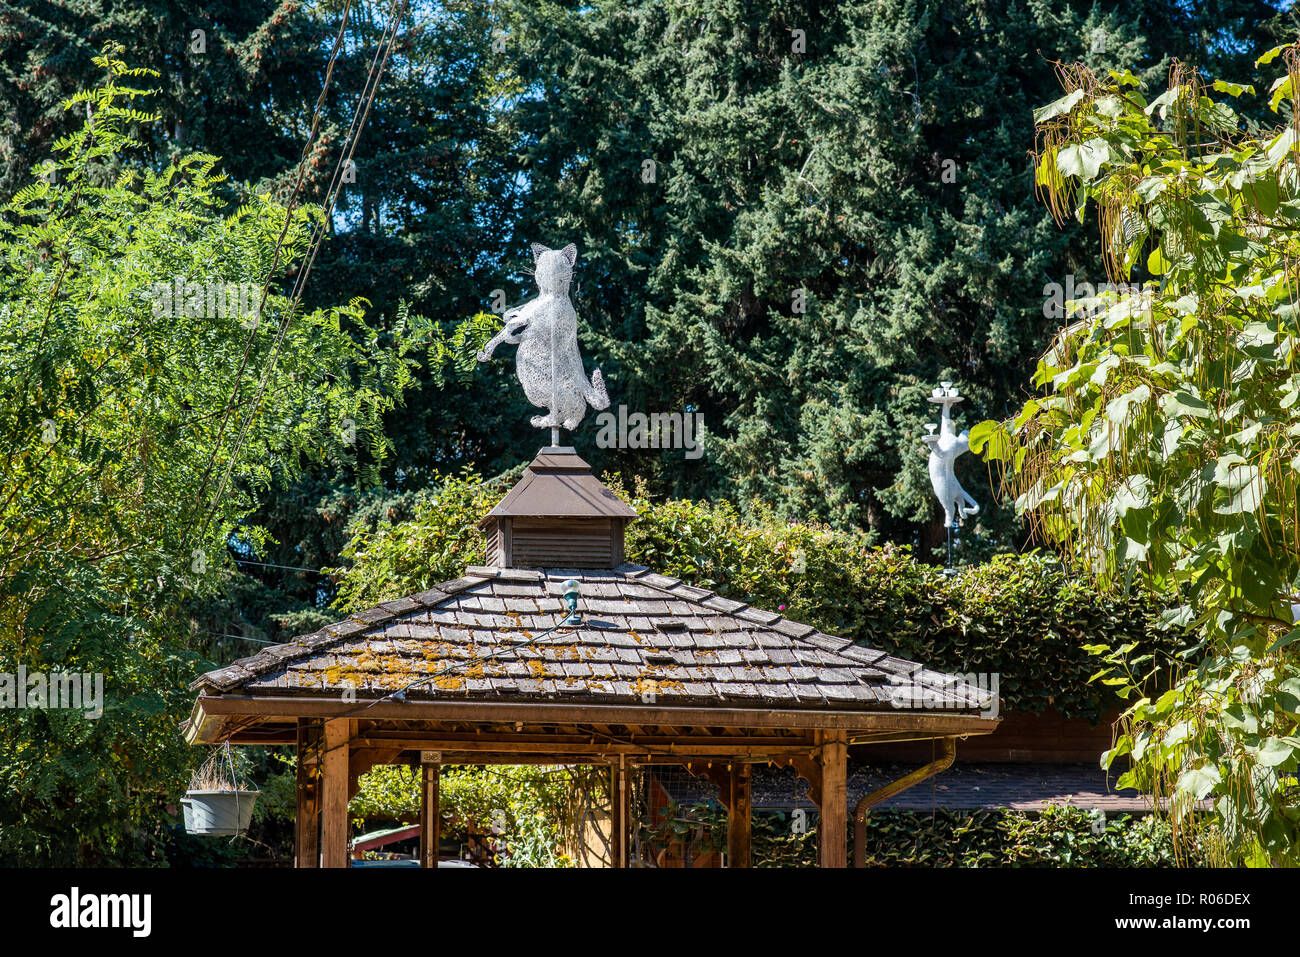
(558, 516)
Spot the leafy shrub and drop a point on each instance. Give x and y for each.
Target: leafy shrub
(534, 806)
(135, 443)
(1059, 836)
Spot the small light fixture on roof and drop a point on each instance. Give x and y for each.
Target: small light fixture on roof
(571, 592)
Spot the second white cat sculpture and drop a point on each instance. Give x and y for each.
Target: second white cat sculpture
(944, 449)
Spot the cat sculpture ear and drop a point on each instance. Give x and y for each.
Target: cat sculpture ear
(538, 249)
(570, 252)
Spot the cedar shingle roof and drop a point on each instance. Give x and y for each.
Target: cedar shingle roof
(643, 634)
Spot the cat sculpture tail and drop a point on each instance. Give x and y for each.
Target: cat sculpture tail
(970, 508)
(595, 393)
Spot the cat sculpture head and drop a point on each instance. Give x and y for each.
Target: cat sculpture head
(553, 268)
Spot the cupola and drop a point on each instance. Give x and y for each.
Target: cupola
(559, 515)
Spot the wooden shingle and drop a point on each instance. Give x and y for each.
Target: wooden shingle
(494, 633)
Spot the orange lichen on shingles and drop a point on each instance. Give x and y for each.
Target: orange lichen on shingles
(338, 676)
(646, 684)
(437, 650)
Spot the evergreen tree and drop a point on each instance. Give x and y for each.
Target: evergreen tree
(841, 215)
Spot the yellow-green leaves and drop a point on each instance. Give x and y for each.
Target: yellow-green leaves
(1171, 454)
(1244, 485)
(1281, 146)
(1199, 782)
(1271, 55)
(1083, 160)
(1157, 264)
(1119, 408)
(990, 439)
(1274, 752)
(1059, 108)
(1232, 89)
(1183, 403)
(1281, 90)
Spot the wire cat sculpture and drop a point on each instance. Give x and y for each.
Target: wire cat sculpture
(548, 362)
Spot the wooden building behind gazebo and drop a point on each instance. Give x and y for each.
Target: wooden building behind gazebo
(491, 668)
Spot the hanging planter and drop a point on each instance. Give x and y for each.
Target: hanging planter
(215, 805)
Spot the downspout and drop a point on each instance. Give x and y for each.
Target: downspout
(937, 766)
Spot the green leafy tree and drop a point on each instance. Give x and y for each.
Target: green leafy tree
(139, 428)
(1165, 448)
(434, 164)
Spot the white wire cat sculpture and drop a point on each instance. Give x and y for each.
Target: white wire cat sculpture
(548, 362)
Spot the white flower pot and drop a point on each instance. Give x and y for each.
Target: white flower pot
(218, 813)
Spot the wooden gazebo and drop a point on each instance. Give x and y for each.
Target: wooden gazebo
(494, 668)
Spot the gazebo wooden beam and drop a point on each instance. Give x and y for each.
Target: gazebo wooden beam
(619, 805)
(307, 816)
(334, 794)
(832, 830)
(930, 724)
(524, 741)
(718, 748)
(739, 843)
(430, 807)
(638, 760)
(286, 733)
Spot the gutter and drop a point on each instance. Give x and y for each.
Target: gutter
(937, 766)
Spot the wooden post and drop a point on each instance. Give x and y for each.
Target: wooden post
(430, 808)
(334, 794)
(306, 822)
(833, 828)
(618, 813)
(738, 817)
